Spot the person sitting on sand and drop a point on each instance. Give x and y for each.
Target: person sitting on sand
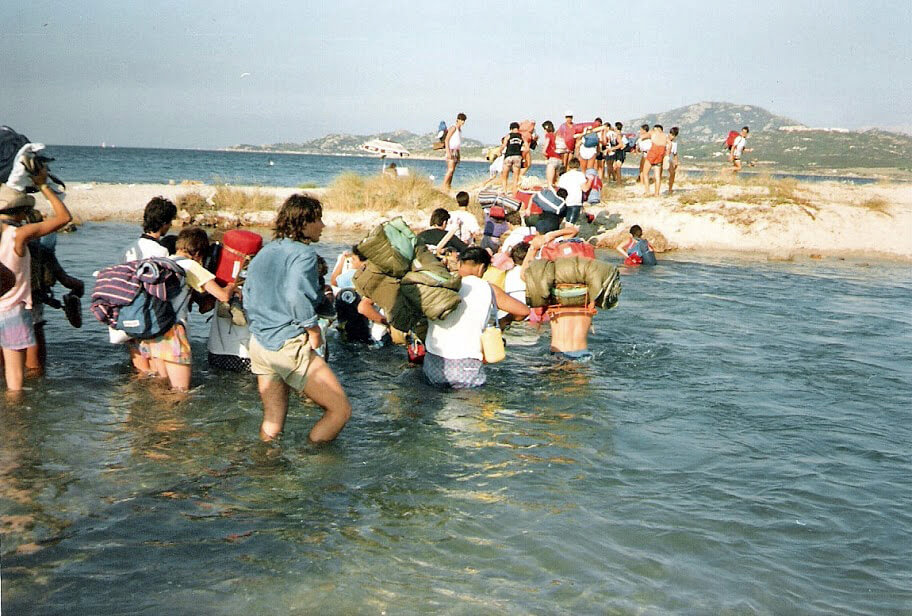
(437, 238)
(636, 249)
(463, 221)
(17, 332)
(170, 354)
(280, 295)
(654, 157)
(454, 357)
(738, 149)
(495, 227)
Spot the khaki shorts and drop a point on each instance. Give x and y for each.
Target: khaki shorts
(289, 363)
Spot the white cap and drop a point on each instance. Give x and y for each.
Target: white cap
(569, 113)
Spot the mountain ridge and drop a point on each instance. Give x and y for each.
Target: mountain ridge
(703, 127)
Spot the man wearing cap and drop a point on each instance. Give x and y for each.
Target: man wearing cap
(16, 329)
(565, 134)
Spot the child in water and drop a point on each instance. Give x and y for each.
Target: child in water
(636, 250)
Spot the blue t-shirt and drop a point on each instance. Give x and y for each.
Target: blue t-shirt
(280, 293)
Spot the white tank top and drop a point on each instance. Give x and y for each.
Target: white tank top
(21, 293)
(456, 139)
(458, 336)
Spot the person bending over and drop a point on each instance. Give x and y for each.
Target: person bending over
(437, 237)
(280, 295)
(454, 357)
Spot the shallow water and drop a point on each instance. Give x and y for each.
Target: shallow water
(158, 166)
(739, 445)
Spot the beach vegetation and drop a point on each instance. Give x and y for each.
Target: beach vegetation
(876, 204)
(351, 192)
(308, 185)
(703, 194)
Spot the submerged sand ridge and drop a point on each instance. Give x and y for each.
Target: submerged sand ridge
(819, 218)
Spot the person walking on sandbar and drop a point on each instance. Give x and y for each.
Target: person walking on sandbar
(452, 142)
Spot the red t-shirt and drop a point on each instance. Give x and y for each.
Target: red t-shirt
(550, 146)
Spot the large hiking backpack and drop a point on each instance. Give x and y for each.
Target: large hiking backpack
(730, 140)
(122, 300)
(630, 140)
(10, 144)
(573, 247)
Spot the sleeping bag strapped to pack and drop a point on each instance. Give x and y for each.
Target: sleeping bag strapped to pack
(572, 281)
(431, 290)
(730, 139)
(567, 248)
(237, 248)
(487, 197)
(391, 247)
(548, 201)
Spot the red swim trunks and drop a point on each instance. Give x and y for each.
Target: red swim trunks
(655, 154)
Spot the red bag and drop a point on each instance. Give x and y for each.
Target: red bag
(730, 140)
(238, 247)
(633, 259)
(416, 352)
(568, 248)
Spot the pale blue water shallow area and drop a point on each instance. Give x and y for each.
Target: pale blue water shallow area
(157, 166)
(739, 445)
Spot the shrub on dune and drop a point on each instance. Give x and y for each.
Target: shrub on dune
(351, 192)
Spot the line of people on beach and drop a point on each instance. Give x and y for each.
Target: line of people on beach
(599, 146)
(272, 312)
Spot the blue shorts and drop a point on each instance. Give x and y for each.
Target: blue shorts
(16, 329)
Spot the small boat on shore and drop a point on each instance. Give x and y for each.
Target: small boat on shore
(383, 149)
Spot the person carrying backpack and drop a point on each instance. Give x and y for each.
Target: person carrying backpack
(170, 353)
(16, 328)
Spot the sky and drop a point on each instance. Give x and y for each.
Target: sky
(208, 74)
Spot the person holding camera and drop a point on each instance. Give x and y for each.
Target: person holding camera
(17, 332)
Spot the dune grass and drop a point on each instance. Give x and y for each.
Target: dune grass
(703, 194)
(225, 198)
(351, 192)
(876, 204)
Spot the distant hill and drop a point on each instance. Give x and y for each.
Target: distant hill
(710, 122)
(703, 129)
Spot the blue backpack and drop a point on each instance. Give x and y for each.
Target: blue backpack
(146, 316)
(590, 140)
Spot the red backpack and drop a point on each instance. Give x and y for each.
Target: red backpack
(730, 140)
(568, 248)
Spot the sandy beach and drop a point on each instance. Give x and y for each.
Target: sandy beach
(832, 218)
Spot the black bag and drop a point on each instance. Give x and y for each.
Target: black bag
(10, 144)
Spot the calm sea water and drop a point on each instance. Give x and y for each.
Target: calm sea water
(144, 165)
(739, 445)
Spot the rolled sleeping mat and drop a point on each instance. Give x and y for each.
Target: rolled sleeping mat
(539, 281)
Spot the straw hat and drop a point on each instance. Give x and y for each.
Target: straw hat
(12, 199)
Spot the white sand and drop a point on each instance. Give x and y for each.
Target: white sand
(835, 223)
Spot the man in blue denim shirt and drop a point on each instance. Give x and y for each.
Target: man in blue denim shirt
(280, 293)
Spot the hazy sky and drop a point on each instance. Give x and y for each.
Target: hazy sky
(147, 73)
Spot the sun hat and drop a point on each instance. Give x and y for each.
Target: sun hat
(568, 114)
(12, 199)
